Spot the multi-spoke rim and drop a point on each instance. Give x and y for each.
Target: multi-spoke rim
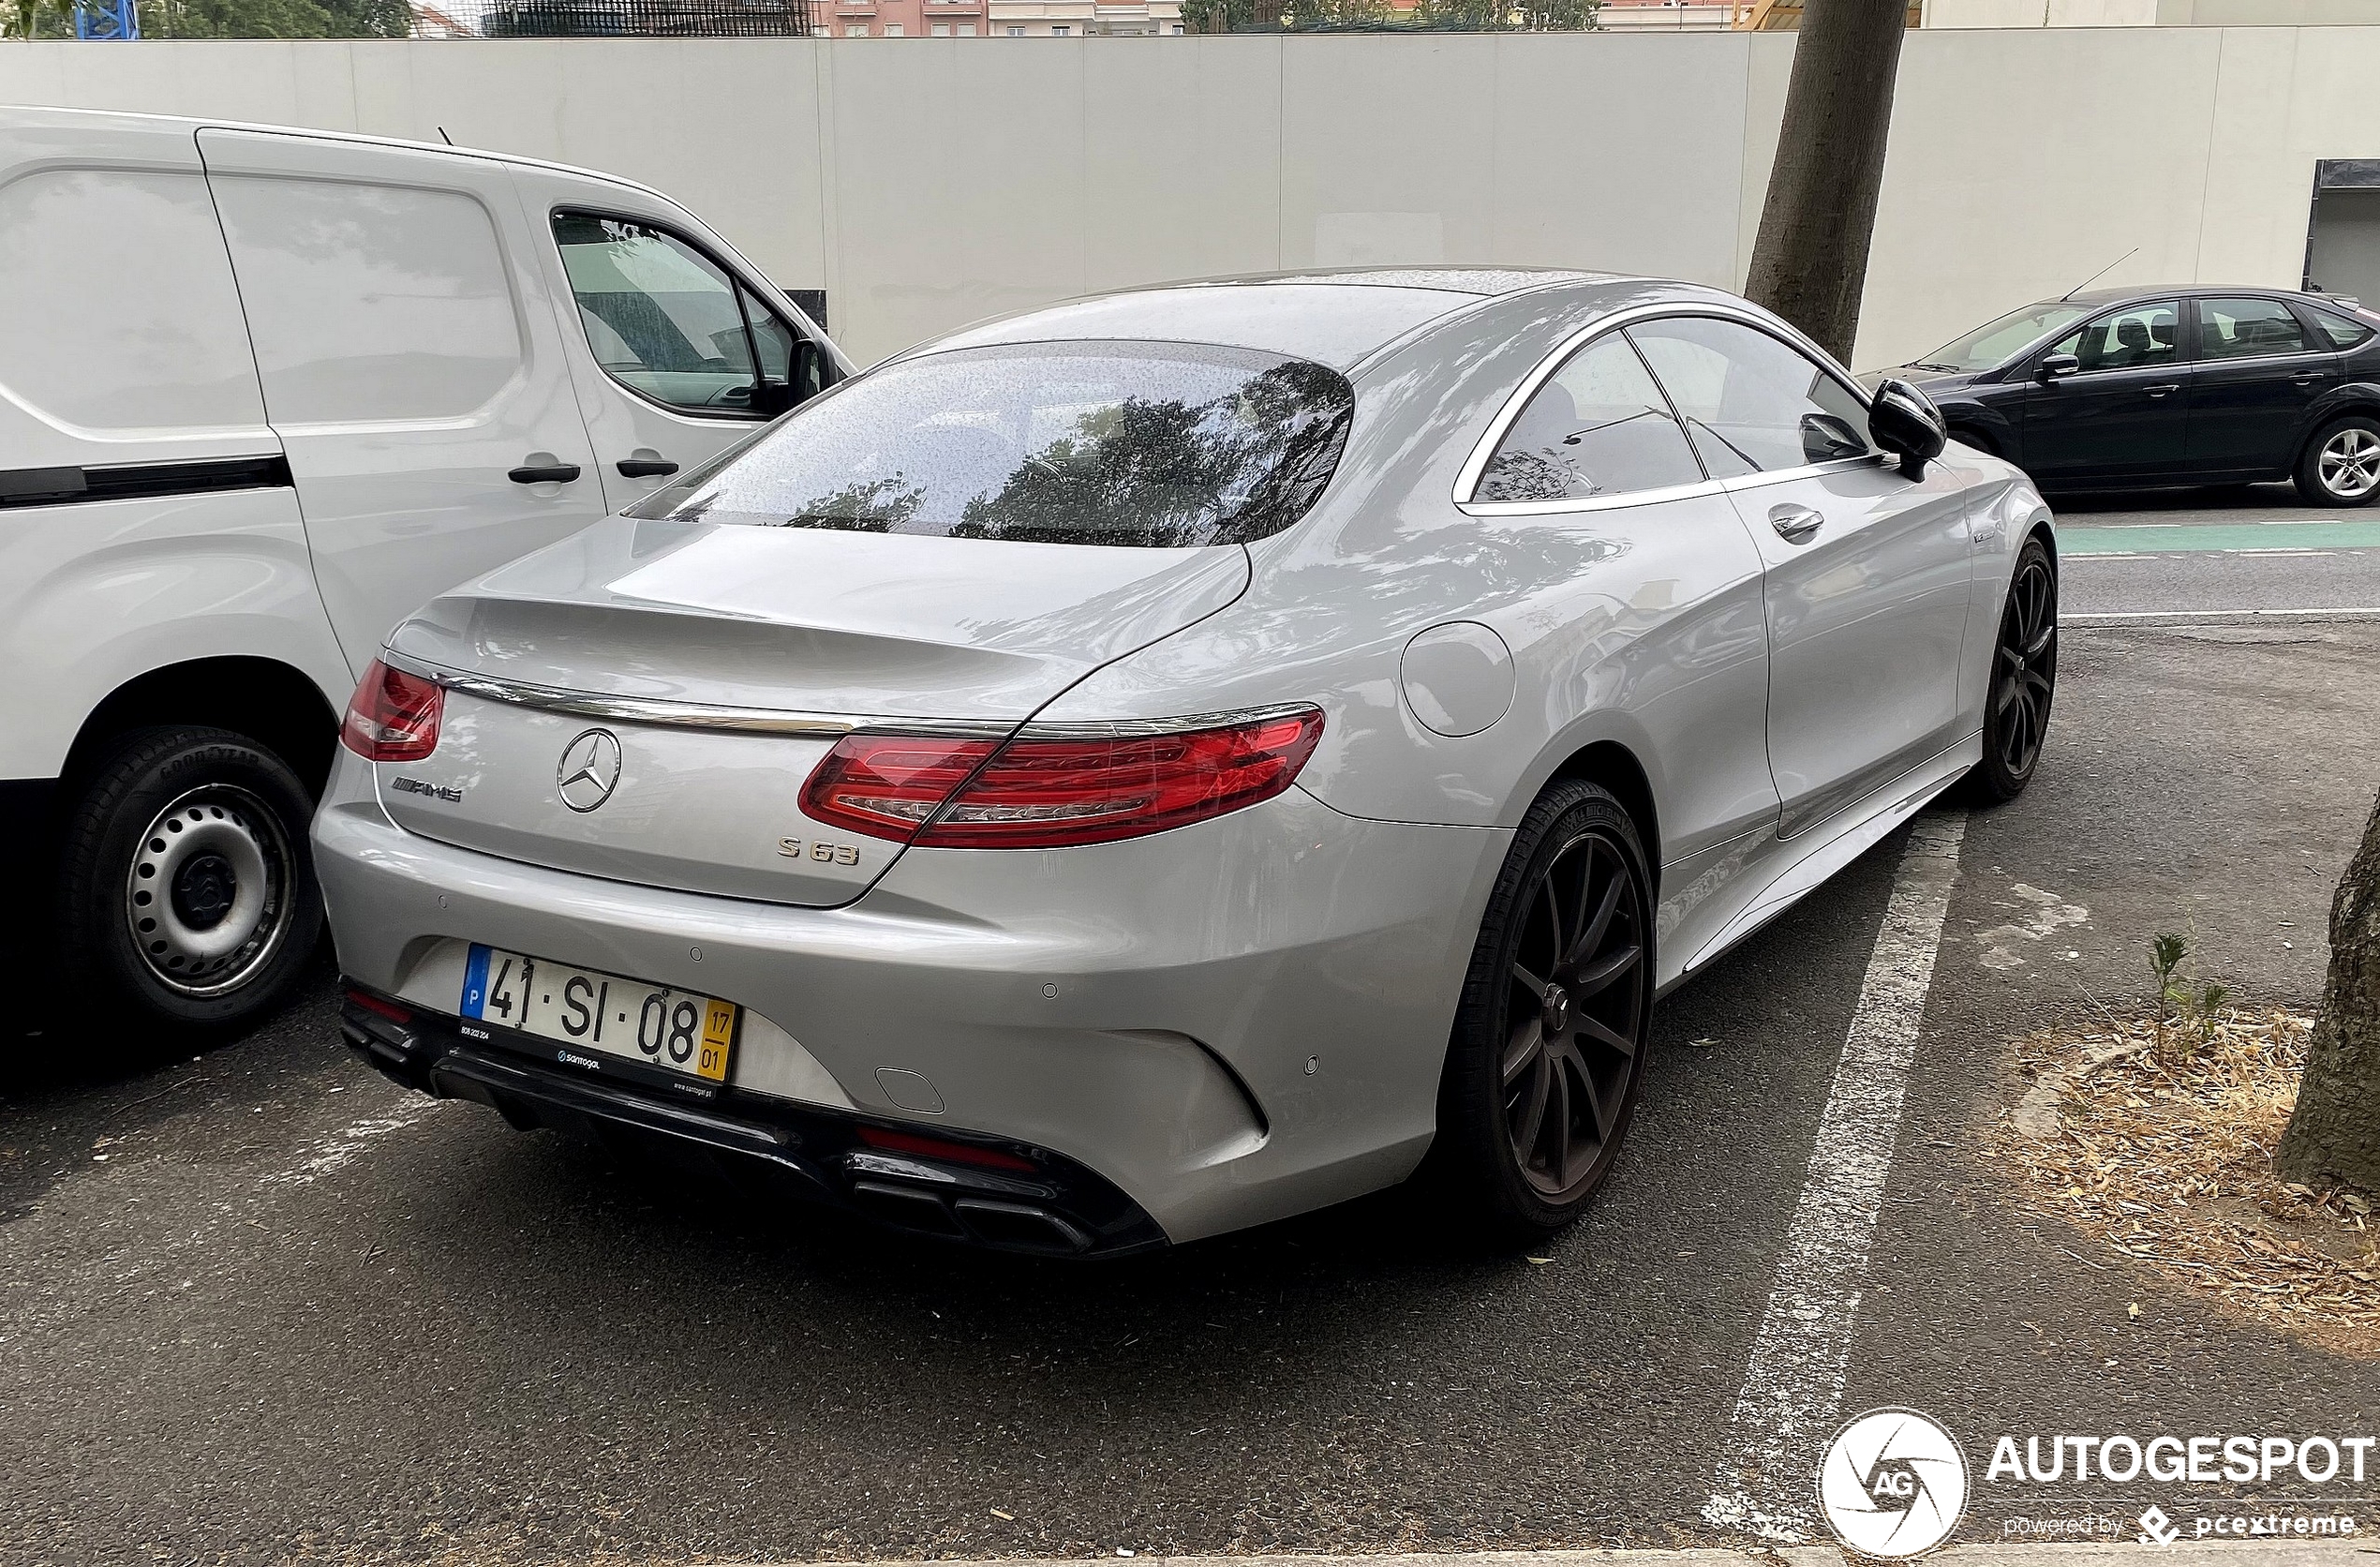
(2025, 665)
(207, 897)
(2349, 463)
(1576, 1015)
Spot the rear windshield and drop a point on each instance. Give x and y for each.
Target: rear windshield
(1151, 445)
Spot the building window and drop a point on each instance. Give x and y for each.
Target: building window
(941, 29)
(1016, 32)
(1177, 29)
(856, 30)
(892, 29)
(1060, 31)
(966, 29)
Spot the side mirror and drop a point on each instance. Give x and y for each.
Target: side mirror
(2057, 365)
(1906, 422)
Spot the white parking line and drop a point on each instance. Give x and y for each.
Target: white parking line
(1766, 1478)
(2105, 616)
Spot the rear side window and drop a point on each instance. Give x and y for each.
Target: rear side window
(116, 305)
(2248, 329)
(1597, 426)
(1753, 403)
(370, 303)
(1147, 444)
(2339, 332)
(665, 320)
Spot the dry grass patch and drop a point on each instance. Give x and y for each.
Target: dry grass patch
(2155, 1139)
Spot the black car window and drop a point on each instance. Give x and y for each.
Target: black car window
(2248, 329)
(1150, 444)
(1753, 403)
(1597, 426)
(1991, 343)
(2342, 330)
(2133, 336)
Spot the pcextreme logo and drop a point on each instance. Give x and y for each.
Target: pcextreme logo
(1892, 1484)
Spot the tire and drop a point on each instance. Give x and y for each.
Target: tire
(2341, 465)
(1502, 1178)
(2024, 680)
(186, 899)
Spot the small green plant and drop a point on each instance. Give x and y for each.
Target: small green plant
(2165, 956)
(2181, 998)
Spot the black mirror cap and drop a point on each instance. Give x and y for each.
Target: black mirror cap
(1906, 422)
(2057, 365)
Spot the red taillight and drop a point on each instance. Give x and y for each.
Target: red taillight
(942, 1148)
(393, 716)
(1043, 791)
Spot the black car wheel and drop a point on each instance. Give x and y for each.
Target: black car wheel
(2024, 679)
(1548, 1051)
(2340, 466)
(186, 895)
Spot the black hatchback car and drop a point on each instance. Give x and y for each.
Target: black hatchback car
(2134, 388)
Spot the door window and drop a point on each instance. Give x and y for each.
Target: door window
(1753, 403)
(1598, 427)
(665, 321)
(2133, 339)
(2248, 329)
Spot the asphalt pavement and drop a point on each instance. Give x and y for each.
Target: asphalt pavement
(257, 1305)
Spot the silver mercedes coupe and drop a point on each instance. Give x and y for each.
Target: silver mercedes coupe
(1175, 759)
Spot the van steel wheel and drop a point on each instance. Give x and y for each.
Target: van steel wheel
(187, 898)
(2341, 464)
(1548, 1052)
(2024, 680)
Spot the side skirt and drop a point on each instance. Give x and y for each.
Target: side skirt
(1830, 845)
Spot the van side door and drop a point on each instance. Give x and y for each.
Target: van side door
(678, 348)
(410, 364)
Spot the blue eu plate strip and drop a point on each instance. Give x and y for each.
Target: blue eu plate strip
(475, 982)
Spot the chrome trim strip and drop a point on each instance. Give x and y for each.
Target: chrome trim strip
(1467, 481)
(1134, 729)
(772, 720)
(666, 713)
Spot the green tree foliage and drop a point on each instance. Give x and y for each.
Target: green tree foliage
(275, 18)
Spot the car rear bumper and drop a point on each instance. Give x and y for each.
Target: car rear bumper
(1226, 1023)
(769, 1150)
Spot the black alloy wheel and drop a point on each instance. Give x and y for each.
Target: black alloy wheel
(1549, 1047)
(2024, 677)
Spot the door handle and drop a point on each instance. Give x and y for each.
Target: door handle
(542, 469)
(645, 467)
(2303, 377)
(2162, 388)
(1796, 524)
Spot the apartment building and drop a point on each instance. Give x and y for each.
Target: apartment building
(902, 19)
(1045, 19)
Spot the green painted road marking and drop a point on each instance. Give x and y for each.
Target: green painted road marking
(2156, 538)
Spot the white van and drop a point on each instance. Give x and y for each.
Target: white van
(262, 393)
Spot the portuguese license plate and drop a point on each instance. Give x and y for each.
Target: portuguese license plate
(601, 1014)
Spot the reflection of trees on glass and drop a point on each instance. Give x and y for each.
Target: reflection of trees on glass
(1165, 473)
(865, 506)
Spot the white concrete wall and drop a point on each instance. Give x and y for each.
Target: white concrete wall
(929, 183)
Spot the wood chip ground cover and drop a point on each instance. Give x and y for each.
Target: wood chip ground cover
(2155, 1140)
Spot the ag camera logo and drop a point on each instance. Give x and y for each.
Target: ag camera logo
(1892, 1484)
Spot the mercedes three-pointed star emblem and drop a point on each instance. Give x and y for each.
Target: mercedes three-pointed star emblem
(589, 769)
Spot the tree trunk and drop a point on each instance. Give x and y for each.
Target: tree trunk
(1810, 258)
(2334, 1134)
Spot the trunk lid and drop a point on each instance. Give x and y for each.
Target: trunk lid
(797, 632)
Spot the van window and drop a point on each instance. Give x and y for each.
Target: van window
(116, 305)
(665, 321)
(370, 303)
